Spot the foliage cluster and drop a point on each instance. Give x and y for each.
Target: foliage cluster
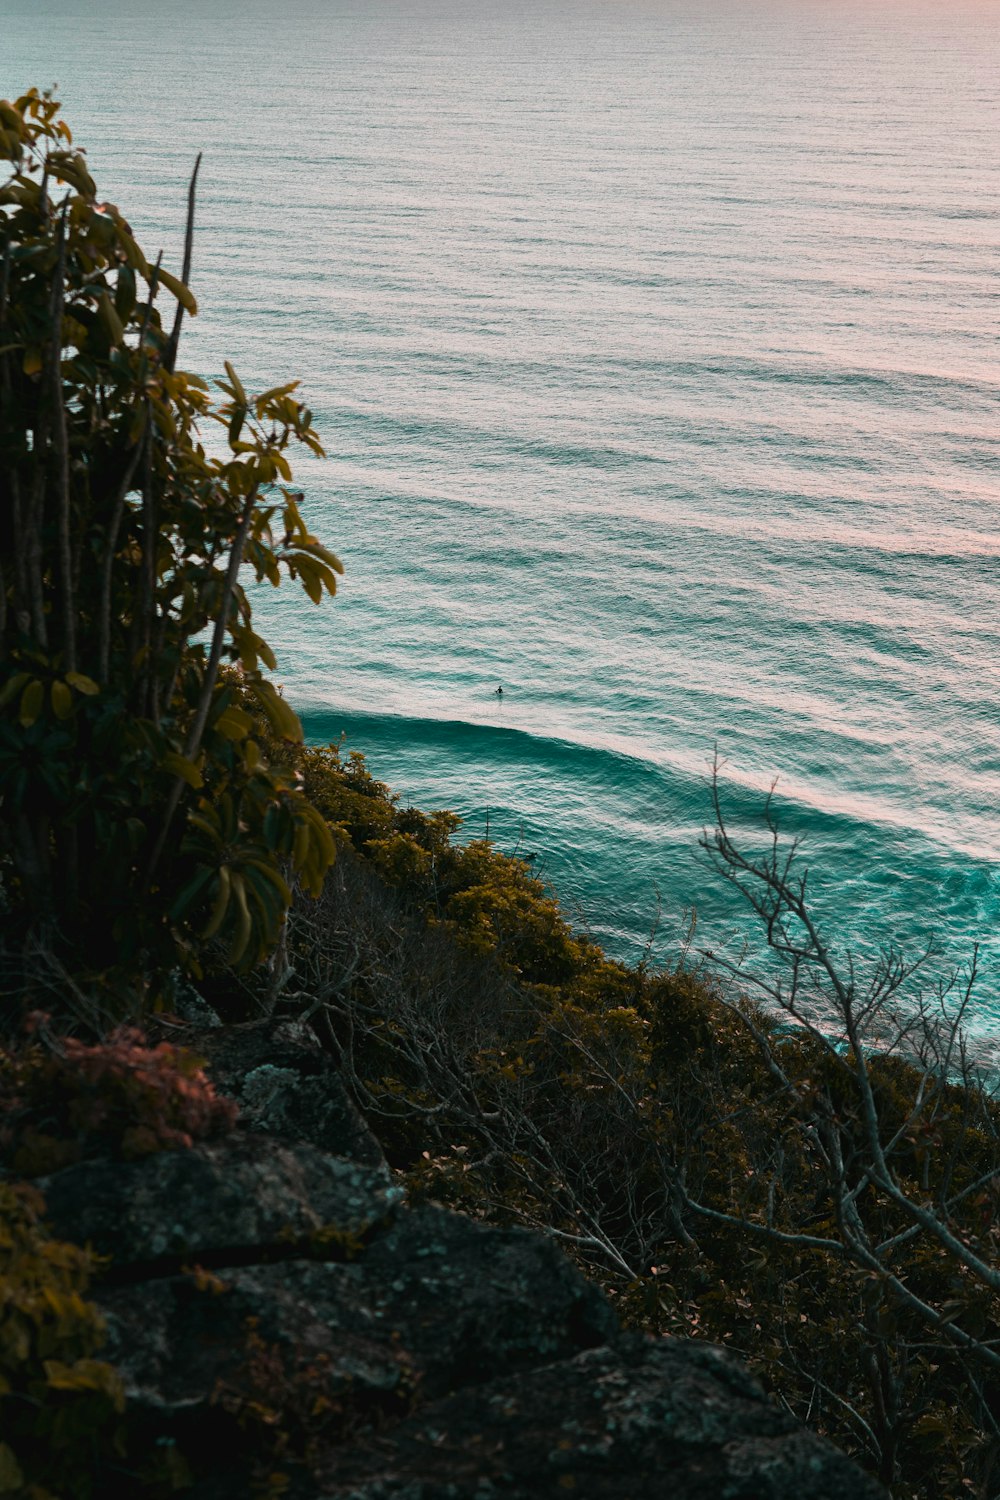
(59, 1405)
(818, 1192)
(489, 902)
(62, 1099)
(140, 818)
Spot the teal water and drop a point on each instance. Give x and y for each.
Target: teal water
(655, 348)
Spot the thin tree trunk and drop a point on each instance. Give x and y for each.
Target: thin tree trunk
(170, 358)
(147, 594)
(61, 451)
(33, 533)
(108, 561)
(4, 411)
(111, 545)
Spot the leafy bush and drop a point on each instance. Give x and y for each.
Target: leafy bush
(141, 821)
(58, 1404)
(488, 902)
(66, 1100)
(680, 1141)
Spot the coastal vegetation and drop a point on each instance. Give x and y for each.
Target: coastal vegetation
(141, 820)
(812, 1182)
(803, 1168)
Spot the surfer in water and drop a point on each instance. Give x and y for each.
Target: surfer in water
(499, 694)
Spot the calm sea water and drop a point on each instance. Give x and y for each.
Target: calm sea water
(655, 347)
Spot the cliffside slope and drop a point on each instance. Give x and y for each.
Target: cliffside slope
(284, 1323)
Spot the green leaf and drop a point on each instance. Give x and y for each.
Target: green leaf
(330, 558)
(308, 572)
(190, 892)
(125, 292)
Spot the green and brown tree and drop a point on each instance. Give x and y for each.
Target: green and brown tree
(140, 820)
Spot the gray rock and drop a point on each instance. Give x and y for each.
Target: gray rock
(403, 1354)
(286, 1085)
(640, 1420)
(434, 1304)
(190, 1006)
(244, 1197)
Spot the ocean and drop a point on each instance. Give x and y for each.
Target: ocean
(655, 349)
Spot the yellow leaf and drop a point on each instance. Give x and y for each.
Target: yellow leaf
(330, 558)
(133, 254)
(185, 769)
(110, 319)
(62, 700)
(72, 169)
(244, 922)
(31, 703)
(234, 724)
(84, 1375)
(11, 1478)
(180, 290)
(32, 363)
(309, 574)
(13, 687)
(274, 395)
(82, 683)
(283, 720)
(237, 384)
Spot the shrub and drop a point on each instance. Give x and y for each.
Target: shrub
(807, 1188)
(58, 1404)
(66, 1100)
(141, 821)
